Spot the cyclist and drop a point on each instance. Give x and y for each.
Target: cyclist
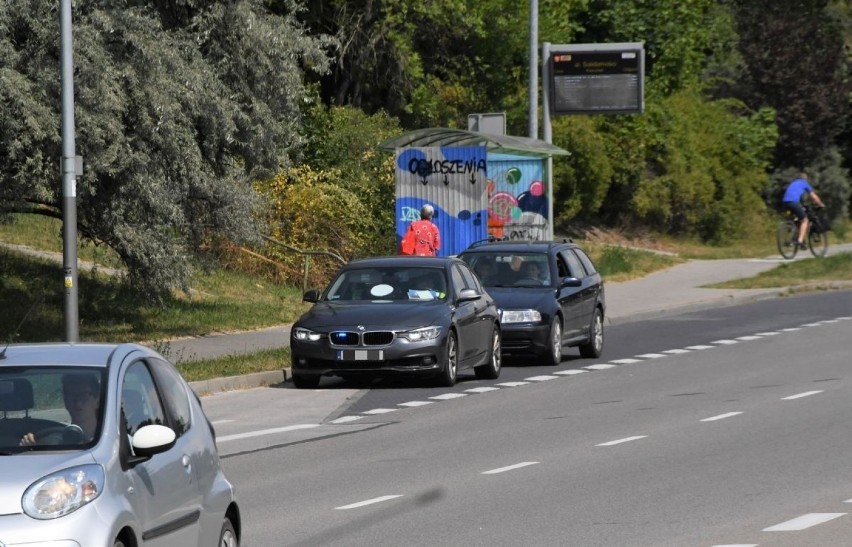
(792, 201)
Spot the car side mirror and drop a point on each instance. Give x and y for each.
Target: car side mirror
(311, 296)
(571, 282)
(466, 295)
(152, 439)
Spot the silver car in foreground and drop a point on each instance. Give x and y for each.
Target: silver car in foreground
(107, 445)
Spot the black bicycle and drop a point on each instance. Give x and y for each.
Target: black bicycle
(787, 235)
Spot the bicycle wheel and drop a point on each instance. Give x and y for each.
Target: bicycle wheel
(818, 243)
(786, 237)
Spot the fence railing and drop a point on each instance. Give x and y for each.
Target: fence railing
(307, 256)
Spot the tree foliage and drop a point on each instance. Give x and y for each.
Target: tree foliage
(179, 104)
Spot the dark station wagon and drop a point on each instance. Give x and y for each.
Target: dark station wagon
(549, 293)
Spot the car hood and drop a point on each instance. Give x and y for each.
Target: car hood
(19, 471)
(515, 298)
(325, 316)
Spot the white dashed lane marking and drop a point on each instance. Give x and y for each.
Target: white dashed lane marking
(800, 395)
(699, 348)
(447, 396)
(725, 342)
(381, 411)
(570, 372)
(482, 389)
(721, 416)
(541, 378)
(750, 337)
(626, 361)
(601, 366)
(416, 403)
(625, 440)
(346, 419)
(676, 351)
(508, 468)
(651, 355)
(368, 502)
(803, 522)
(513, 384)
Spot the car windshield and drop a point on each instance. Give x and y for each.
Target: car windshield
(50, 408)
(503, 269)
(389, 283)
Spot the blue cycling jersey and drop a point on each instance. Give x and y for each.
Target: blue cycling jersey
(796, 189)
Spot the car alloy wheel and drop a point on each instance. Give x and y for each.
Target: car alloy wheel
(447, 377)
(594, 347)
(555, 338)
(491, 371)
(228, 536)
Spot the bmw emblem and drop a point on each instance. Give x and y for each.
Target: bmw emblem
(362, 328)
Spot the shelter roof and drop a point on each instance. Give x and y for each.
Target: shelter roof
(498, 144)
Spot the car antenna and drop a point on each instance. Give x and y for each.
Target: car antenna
(18, 328)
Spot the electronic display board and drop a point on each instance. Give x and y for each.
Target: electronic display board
(598, 79)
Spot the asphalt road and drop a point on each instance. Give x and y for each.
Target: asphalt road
(718, 427)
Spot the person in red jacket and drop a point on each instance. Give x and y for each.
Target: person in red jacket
(426, 236)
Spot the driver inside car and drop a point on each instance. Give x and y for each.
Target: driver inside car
(81, 395)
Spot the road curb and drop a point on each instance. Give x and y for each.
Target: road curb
(245, 381)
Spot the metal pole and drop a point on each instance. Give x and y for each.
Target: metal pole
(533, 114)
(547, 129)
(68, 164)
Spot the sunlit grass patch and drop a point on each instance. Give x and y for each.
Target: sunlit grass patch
(831, 268)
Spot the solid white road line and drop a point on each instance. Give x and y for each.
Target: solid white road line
(447, 396)
(803, 522)
(368, 502)
(721, 416)
(217, 422)
(626, 440)
(800, 395)
(416, 403)
(262, 432)
(508, 468)
(483, 389)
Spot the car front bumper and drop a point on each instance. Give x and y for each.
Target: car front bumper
(525, 339)
(400, 356)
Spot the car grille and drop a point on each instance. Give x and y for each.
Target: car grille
(350, 339)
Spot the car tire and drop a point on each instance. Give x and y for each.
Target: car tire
(306, 381)
(554, 356)
(491, 370)
(228, 536)
(594, 347)
(447, 377)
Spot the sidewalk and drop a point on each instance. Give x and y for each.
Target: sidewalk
(672, 291)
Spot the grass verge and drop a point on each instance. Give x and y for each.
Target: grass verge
(233, 365)
(799, 272)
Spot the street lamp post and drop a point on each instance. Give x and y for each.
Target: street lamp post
(69, 169)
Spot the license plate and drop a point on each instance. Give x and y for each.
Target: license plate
(361, 355)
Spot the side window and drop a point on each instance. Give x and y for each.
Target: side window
(575, 267)
(458, 280)
(174, 396)
(140, 402)
(561, 267)
(587, 262)
(470, 280)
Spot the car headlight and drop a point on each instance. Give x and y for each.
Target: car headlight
(520, 316)
(63, 492)
(307, 335)
(424, 333)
